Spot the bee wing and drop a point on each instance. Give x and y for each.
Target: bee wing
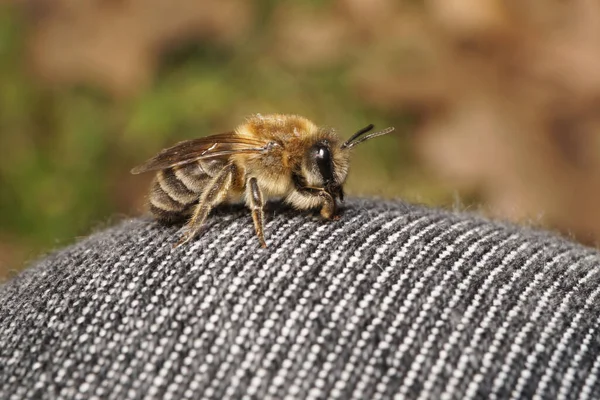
(214, 146)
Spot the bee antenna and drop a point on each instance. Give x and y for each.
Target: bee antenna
(356, 135)
(356, 139)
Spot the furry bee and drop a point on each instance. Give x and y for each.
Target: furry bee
(269, 156)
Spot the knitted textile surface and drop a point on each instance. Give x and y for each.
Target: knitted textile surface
(393, 299)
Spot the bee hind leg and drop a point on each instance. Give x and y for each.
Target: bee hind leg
(256, 203)
(217, 189)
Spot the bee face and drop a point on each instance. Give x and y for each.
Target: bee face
(325, 165)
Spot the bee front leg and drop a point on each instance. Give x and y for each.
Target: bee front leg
(329, 208)
(216, 191)
(256, 203)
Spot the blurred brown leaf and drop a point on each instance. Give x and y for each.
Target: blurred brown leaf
(506, 92)
(304, 39)
(116, 43)
(522, 124)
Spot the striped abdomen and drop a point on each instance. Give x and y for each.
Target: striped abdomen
(175, 191)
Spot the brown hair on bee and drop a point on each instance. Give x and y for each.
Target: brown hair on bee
(270, 156)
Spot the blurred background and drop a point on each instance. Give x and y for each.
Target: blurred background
(496, 102)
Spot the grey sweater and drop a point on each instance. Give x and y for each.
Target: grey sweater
(393, 299)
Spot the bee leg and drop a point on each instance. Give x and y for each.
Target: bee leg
(329, 208)
(217, 189)
(256, 203)
(328, 205)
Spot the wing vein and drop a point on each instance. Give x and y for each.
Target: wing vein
(210, 147)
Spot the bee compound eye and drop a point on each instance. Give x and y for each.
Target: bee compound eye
(324, 164)
(322, 153)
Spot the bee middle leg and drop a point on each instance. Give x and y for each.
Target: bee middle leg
(256, 203)
(216, 190)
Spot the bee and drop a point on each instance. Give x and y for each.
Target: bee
(268, 156)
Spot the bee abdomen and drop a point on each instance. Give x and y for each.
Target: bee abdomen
(195, 176)
(175, 191)
(171, 184)
(161, 199)
(169, 216)
(169, 197)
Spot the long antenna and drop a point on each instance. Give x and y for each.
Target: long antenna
(357, 134)
(356, 139)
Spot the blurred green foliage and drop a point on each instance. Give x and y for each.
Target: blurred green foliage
(67, 150)
(494, 103)
(54, 147)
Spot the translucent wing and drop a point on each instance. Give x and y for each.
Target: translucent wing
(188, 151)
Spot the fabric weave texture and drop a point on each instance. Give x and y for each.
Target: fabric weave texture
(391, 300)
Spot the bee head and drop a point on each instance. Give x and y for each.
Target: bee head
(325, 165)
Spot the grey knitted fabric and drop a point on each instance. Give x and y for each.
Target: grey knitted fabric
(393, 299)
